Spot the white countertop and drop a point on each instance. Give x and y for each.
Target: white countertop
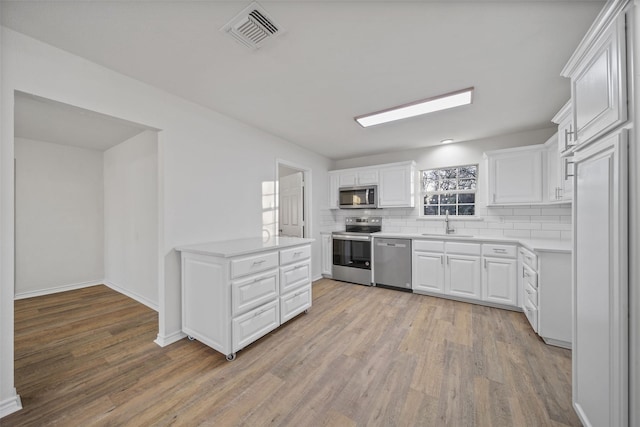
(229, 248)
(541, 245)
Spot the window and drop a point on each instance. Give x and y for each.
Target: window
(450, 189)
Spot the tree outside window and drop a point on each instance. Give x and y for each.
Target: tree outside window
(450, 189)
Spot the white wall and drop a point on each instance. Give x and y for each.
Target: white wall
(541, 222)
(211, 168)
(59, 217)
(131, 217)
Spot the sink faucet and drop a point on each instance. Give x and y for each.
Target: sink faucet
(448, 230)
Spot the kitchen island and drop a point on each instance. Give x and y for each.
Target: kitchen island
(236, 291)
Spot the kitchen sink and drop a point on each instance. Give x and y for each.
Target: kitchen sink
(447, 235)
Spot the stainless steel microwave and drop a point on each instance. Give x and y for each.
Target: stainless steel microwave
(362, 197)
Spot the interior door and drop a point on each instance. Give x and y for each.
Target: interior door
(291, 205)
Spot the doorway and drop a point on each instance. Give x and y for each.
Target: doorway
(292, 199)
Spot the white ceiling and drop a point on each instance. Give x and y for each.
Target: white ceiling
(42, 119)
(335, 60)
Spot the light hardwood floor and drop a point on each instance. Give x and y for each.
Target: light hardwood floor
(361, 357)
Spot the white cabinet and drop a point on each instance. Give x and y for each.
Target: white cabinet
(598, 83)
(229, 302)
(559, 184)
(395, 181)
(482, 273)
(334, 185)
(428, 267)
(545, 277)
(327, 254)
(463, 276)
(499, 276)
(365, 176)
(515, 175)
(396, 186)
(600, 283)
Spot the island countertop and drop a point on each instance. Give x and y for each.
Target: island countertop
(230, 248)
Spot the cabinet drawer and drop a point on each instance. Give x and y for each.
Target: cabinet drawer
(531, 295)
(529, 276)
(529, 258)
(428, 245)
(253, 264)
(462, 248)
(504, 251)
(295, 275)
(287, 256)
(254, 291)
(255, 324)
(295, 303)
(532, 315)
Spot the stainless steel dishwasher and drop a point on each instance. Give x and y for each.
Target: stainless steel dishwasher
(392, 263)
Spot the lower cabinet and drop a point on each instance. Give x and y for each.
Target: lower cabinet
(327, 254)
(230, 302)
(546, 287)
(483, 273)
(428, 271)
(463, 276)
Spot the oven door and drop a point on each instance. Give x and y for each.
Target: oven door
(352, 259)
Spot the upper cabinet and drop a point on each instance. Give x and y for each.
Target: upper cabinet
(559, 183)
(395, 181)
(355, 177)
(396, 186)
(515, 175)
(598, 84)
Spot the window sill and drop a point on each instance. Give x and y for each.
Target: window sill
(451, 218)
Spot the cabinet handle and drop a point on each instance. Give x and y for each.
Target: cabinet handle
(441, 259)
(529, 292)
(447, 259)
(566, 168)
(259, 262)
(485, 263)
(499, 251)
(297, 253)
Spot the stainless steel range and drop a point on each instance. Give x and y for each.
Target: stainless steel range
(352, 249)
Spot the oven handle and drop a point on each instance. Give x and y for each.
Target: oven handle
(350, 237)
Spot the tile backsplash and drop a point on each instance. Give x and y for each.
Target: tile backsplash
(532, 222)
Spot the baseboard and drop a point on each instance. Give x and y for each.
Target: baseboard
(132, 295)
(316, 278)
(557, 343)
(164, 341)
(57, 289)
(10, 405)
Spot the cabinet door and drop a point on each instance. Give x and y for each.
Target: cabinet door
(427, 272)
(598, 88)
(368, 177)
(326, 254)
(463, 276)
(348, 179)
(600, 283)
(553, 171)
(516, 177)
(396, 187)
(566, 179)
(499, 281)
(334, 185)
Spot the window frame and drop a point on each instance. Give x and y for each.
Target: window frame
(424, 193)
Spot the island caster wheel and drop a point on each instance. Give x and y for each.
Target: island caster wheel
(191, 338)
(230, 357)
(307, 311)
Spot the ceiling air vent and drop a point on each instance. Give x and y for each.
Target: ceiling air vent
(252, 27)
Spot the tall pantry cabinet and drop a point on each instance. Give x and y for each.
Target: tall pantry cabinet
(602, 128)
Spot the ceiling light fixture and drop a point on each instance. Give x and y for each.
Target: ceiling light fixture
(446, 141)
(436, 103)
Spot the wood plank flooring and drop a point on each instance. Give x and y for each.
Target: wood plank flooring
(361, 357)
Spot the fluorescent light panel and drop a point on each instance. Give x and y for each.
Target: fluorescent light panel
(437, 103)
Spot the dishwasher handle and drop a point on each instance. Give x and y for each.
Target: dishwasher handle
(391, 245)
